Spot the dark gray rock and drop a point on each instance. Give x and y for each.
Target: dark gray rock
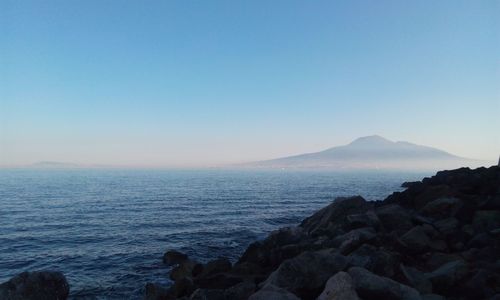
(353, 239)
(208, 294)
(485, 220)
(35, 286)
(416, 279)
(368, 219)
(394, 217)
(306, 274)
(416, 239)
(442, 207)
(447, 276)
(339, 287)
(240, 291)
(371, 286)
(157, 292)
(173, 257)
(219, 265)
(271, 292)
(184, 269)
(333, 217)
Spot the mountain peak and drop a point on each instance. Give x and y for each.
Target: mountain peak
(371, 140)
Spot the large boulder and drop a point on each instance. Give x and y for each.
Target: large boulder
(371, 286)
(448, 275)
(306, 274)
(173, 257)
(332, 218)
(34, 286)
(394, 217)
(339, 287)
(271, 292)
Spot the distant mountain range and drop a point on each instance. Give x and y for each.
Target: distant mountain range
(373, 152)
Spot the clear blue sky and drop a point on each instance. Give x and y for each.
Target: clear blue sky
(164, 83)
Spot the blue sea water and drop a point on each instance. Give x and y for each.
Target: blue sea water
(107, 230)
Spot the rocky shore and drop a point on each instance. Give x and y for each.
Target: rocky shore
(438, 239)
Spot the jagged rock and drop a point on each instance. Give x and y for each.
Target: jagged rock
(184, 269)
(447, 226)
(34, 286)
(368, 219)
(371, 286)
(339, 287)
(353, 239)
(332, 217)
(447, 275)
(240, 291)
(271, 292)
(408, 184)
(394, 217)
(306, 274)
(173, 257)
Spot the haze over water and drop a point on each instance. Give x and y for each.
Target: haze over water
(107, 230)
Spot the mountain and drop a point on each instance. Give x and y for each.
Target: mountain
(373, 152)
(54, 165)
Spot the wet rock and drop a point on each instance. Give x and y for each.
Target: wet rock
(271, 292)
(173, 257)
(306, 274)
(35, 285)
(371, 286)
(218, 281)
(432, 297)
(339, 287)
(184, 269)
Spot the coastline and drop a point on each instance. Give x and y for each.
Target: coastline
(438, 239)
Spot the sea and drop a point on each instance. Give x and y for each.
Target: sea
(106, 230)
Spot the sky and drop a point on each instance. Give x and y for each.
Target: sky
(200, 83)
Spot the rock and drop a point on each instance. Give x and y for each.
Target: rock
(432, 297)
(219, 265)
(416, 239)
(339, 287)
(208, 294)
(485, 220)
(271, 292)
(394, 217)
(240, 291)
(353, 239)
(447, 226)
(173, 257)
(332, 217)
(183, 287)
(371, 286)
(306, 274)
(447, 275)
(408, 184)
(217, 281)
(157, 292)
(442, 207)
(416, 279)
(368, 219)
(34, 286)
(184, 269)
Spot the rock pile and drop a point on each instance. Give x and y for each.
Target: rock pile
(438, 239)
(35, 285)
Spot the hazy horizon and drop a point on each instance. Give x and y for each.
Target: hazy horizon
(192, 84)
